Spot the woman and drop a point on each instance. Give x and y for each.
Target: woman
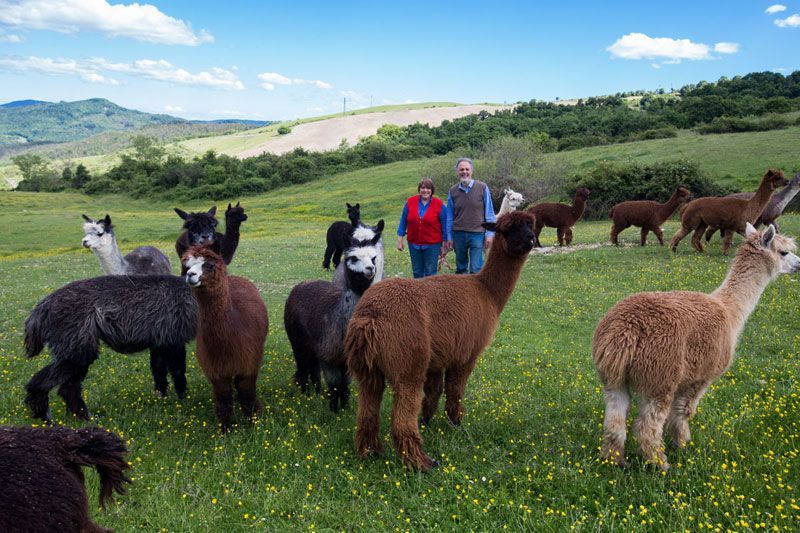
(424, 218)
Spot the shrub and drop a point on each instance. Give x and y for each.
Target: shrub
(283, 130)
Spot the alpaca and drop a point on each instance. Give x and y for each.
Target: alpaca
(42, 481)
(426, 335)
(200, 230)
(128, 313)
(316, 316)
(511, 202)
(646, 214)
(774, 208)
(338, 237)
(99, 237)
(559, 216)
(668, 347)
(232, 329)
(363, 233)
(725, 213)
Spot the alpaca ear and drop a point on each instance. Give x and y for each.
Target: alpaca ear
(357, 206)
(489, 226)
(229, 206)
(237, 204)
(87, 219)
(749, 230)
(107, 221)
(378, 230)
(213, 210)
(181, 213)
(767, 236)
(348, 205)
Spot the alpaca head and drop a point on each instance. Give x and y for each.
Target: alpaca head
(774, 250)
(361, 257)
(98, 234)
(202, 266)
(354, 213)
(235, 214)
(515, 199)
(795, 183)
(582, 194)
(200, 227)
(367, 233)
(683, 195)
(774, 178)
(516, 232)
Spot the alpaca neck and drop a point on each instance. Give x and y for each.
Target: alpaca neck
(111, 260)
(742, 288)
(759, 200)
(784, 196)
(214, 304)
(500, 273)
(577, 208)
(666, 209)
(356, 283)
(505, 207)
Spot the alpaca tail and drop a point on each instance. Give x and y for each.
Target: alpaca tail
(358, 345)
(106, 451)
(35, 329)
(611, 212)
(612, 351)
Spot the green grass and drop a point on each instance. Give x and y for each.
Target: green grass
(526, 456)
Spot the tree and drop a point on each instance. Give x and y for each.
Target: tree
(147, 150)
(81, 177)
(32, 166)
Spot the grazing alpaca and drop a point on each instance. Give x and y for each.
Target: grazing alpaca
(128, 313)
(99, 237)
(425, 335)
(668, 347)
(559, 216)
(42, 481)
(725, 213)
(316, 316)
(646, 214)
(774, 208)
(338, 237)
(511, 202)
(200, 231)
(232, 328)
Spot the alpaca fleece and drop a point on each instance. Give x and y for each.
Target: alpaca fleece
(559, 216)
(645, 214)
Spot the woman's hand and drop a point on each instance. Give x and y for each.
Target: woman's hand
(400, 243)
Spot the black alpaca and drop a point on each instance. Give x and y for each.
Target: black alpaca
(338, 237)
(42, 481)
(200, 230)
(316, 316)
(128, 313)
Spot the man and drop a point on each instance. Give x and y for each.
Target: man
(469, 205)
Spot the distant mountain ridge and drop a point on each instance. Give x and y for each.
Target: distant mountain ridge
(22, 103)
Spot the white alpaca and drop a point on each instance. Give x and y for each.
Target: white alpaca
(363, 234)
(99, 237)
(511, 202)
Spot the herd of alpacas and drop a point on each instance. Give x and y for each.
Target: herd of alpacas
(422, 337)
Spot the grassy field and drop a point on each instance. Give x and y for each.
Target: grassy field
(526, 456)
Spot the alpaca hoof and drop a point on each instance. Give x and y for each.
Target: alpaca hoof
(424, 421)
(84, 415)
(427, 464)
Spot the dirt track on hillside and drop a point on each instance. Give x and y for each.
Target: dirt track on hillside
(328, 134)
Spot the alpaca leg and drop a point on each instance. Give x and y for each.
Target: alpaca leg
(618, 402)
(683, 409)
(371, 385)
(223, 402)
(176, 365)
(337, 257)
(338, 385)
(537, 230)
(649, 429)
(659, 235)
(643, 237)
(710, 233)
(305, 359)
(326, 261)
(697, 235)
(615, 231)
(568, 236)
(726, 241)
(434, 384)
(405, 431)
(158, 367)
(38, 389)
(71, 392)
(560, 235)
(455, 382)
(680, 234)
(246, 394)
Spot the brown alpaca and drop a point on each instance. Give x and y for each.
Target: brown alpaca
(727, 214)
(646, 214)
(559, 216)
(425, 335)
(668, 347)
(231, 330)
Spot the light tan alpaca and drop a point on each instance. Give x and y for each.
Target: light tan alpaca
(668, 347)
(511, 202)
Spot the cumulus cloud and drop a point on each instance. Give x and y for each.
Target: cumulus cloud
(775, 8)
(792, 21)
(271, 79)
(93, 71)
(665, 49)
(142, 22)
(6, 37)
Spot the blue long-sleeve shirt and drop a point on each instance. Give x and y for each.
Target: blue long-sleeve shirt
(488, 209)
(421, 209)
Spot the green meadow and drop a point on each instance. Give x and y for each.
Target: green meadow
(526, 455)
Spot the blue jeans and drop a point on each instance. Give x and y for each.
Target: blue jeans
(468, 246)
(424, 261)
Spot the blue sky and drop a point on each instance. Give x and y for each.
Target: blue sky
(274, 60)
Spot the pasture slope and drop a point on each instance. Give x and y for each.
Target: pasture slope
(526, 456)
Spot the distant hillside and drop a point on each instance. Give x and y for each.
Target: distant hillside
(70, 121)
(22, 103)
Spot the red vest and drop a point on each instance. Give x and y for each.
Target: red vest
(425, 230)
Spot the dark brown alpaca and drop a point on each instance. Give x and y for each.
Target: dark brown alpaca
(727, 214)
(559, 216)
(645, 214)
(425, 335)
(42, 482)
(231, 330)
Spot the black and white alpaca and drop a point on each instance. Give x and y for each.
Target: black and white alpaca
(128, 313)
(338, 237)
(99, 237)
(364, 233)
(316, 316)
(200, 230)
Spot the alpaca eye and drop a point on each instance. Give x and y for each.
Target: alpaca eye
(784, 254)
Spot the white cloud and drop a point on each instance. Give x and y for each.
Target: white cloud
(6, 37)
(268, 86)
(142, 22)
(666, 49)
(92, 71)
(775, 8)
(323, 85)
(173, 108)
(274, 78)
(271, 79)
(792, 21)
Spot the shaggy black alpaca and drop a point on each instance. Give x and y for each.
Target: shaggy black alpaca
(128, 313)
(338, 237)
(200, 230)
(42, 482)
(316, 316)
